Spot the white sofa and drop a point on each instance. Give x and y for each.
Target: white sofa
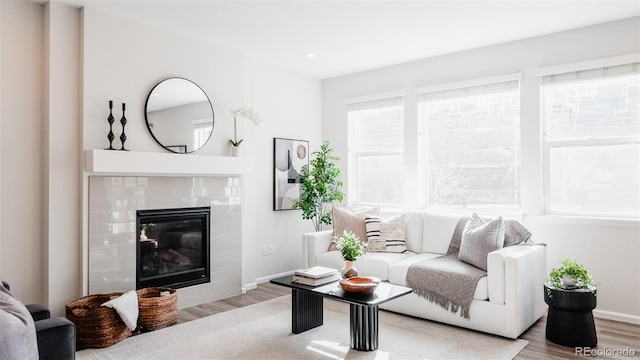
(506, 302)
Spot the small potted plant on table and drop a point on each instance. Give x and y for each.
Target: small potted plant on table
(350, 248)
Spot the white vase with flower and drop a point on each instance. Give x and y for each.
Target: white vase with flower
(246, 112)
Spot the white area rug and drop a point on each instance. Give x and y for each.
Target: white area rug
(263, 331)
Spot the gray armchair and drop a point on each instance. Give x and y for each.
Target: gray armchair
(56, 337)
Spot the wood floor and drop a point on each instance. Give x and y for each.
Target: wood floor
(612, 335)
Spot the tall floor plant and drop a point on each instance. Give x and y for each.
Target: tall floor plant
(319, 187)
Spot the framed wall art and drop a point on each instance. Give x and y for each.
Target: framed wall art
(289, 157)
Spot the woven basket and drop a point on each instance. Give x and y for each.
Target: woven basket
(155, 311)
(96, 326)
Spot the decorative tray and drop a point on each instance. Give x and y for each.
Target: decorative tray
(361, 285)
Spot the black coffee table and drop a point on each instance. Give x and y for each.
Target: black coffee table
(307, 309)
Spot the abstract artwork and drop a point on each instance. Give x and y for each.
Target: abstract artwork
(289, 157)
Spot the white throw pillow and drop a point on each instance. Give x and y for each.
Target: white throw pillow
(375, 241)
(479, 238)
(386, 235)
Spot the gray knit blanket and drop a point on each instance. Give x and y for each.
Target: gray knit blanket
(445, 280)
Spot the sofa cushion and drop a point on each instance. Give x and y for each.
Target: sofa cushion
(479, 238)
(385, 235)
(346, 220)
(372, 264)
(412, 227)
(438, 229)
(398, 274)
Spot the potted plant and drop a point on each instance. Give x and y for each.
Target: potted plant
(143, 230)
(571, 275)
(319, 187)
(245, 112)
(350, 248)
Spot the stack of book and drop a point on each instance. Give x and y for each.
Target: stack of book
(315, 276)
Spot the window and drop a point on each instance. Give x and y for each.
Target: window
(201, 133)
(591, 122)
(376, 150)
(472, 145)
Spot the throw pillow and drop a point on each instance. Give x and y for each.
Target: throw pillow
(375, 242)
(17, 330)
(344, 219)
(479, 238)
(393, 233)
(514, 232)
(386, 235)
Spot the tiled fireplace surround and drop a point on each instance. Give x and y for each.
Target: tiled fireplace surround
(113, 201)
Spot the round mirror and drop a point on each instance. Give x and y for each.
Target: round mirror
(179, 115)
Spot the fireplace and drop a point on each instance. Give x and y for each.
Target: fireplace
(172, 247)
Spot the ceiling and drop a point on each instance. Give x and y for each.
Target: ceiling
(354, 36)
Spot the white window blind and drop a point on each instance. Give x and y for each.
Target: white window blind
(375, 104)
(476, 90)
(591, 122)
(589, 74)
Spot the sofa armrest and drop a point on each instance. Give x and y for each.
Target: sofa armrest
(517, 274)
(38, 311)
(56, 338)
(314, 244)
(501, 264)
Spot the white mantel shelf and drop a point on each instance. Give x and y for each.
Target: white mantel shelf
(135, 163)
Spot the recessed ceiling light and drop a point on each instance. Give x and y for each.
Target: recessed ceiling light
(311, 55)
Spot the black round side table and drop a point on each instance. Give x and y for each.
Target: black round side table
(569, 319)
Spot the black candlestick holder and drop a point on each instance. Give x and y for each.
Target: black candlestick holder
(110, 120)
(123, 121)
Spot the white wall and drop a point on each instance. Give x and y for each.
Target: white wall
(610, 250)
(21, 149)
(1, 97)
(62, 145)
(60, 67)
(291, 107)
(124, 63)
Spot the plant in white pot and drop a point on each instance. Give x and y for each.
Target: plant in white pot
(245, 112)
(571, 275)
(351, 248)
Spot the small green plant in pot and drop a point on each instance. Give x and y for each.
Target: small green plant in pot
(351, 248)
(571, 275)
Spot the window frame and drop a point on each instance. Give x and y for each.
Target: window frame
(422, 142)
(352, 156)
(548, 145)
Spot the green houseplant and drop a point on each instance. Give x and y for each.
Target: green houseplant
(350, 248)
(570, 275)
(319, 187)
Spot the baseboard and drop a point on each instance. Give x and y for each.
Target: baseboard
(611, 315)
(265, 279)
(248, 287)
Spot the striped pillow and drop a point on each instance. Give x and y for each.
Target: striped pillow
(385, 235)
(375, 242)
